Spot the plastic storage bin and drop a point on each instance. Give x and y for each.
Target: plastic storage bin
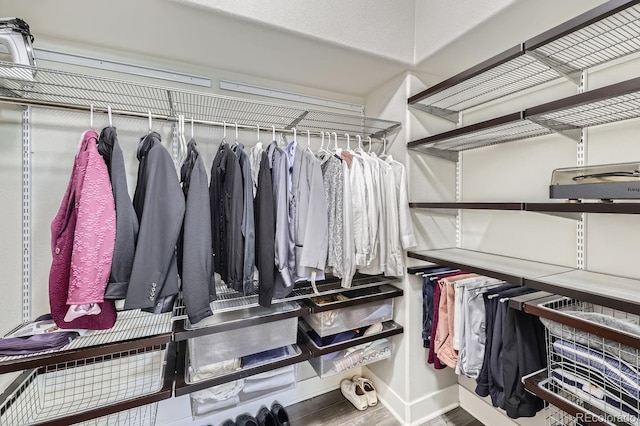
(356, 356)
(229, 395)
(338, 320)
(239, 342)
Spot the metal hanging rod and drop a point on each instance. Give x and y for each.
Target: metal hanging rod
(162, 117)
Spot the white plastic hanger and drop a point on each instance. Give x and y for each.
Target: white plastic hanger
(91, 118)
(295, 133)
(369, 139)
(235, 143)
(346, 135)
(359, 149)
(150, 124)
(273, 133)
(258, 143)
(191, 127)
(335, 144)
(224, 132)
(110, 118)
(309, 141)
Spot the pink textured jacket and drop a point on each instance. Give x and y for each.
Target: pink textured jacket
(82, 240)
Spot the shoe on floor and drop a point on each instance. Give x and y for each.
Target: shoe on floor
(246, 420)
(354, 393)
(266, 417)
(229, 423)
(281, 415)
(369, 390)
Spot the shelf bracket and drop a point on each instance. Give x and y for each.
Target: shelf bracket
(440, 153)
(572, 74)
(383, 133)
(572, 132)
(447, 114)
(297, 121)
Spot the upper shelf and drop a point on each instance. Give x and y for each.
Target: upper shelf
(566, 116)
(559, 207)
(53, 88)
(608, 32)
(603, 289)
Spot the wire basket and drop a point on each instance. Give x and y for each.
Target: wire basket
(65, 389)
(595, 372)
(144, 415)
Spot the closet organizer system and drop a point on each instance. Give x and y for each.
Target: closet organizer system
(118, 375)
(591, 319)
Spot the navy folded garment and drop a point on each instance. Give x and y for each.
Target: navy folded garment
(266, 356)
(29, 345)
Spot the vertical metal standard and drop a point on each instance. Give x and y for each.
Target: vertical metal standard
(26, 214)
(581, 160)
(459, 191)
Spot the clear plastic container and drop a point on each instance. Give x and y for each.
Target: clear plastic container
(338, 320)
(354, 357)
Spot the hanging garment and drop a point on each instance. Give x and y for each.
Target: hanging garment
(308, 211)
(362, 242)
(195, 253)
(126, 219)
(523, 353)
(405, 224)
(373, 203)
(159, 205)
(333, 180)
(395, 263)
(279, 164)
(83, 235)
(227, 206)
(265, 223)
(348, 248)
(248, 225)
(255, 159)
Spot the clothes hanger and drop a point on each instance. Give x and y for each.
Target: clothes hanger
(191, 127)
(236, 143)
(338, 151)
(369, 139)
(295, 133)
(309, 141)
(224, 132)
(258, 146)
(273, 133)
(91, 118)
(359, 148)
(346, 135)
(150, 127)
(109, 113)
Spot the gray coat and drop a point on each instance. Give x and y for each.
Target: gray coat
(248, 225)
(126, 219)
(159, 205)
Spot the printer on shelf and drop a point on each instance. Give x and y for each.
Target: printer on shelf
(601, 182)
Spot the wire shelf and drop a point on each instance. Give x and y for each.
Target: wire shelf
(603, 34)
(231, 300)
(130, 325)
(591, 370)
(140, 416)
(62, 390)
(25, 85)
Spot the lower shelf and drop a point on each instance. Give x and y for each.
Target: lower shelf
(85, 389)
(185, 385)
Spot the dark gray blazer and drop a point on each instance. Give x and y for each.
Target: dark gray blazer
(248, 225)
(265, 232)
(126, 219)
(195, 251)
(159, 205)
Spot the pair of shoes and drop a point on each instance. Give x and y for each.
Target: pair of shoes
(244, 420)
(277, 416)
(228, 423)
(369, 390)
(359, 392)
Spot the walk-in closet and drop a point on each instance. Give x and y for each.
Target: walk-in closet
(320, 213)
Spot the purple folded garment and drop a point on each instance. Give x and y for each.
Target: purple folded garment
(29, 345)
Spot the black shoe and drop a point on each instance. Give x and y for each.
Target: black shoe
(282, 418)
(266, 417)
(228, 423)
(246, 420)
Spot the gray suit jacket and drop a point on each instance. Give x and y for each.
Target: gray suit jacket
(159, 204)
(311, 217)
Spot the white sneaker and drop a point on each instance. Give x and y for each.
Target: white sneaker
(354, 393)
(369, 390)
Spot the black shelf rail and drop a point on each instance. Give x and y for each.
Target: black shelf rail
(165, 392)
(590, 207)
(621, 293)
(390, 328)
(602, 34)
(181, 333)
(385, 292)
(616, 102)
(184, 388)
(536, 385)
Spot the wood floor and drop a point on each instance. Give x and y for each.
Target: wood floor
(332, 409)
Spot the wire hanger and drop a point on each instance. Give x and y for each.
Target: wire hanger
(110, 118)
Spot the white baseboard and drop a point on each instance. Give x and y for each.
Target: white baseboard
(419, 410)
